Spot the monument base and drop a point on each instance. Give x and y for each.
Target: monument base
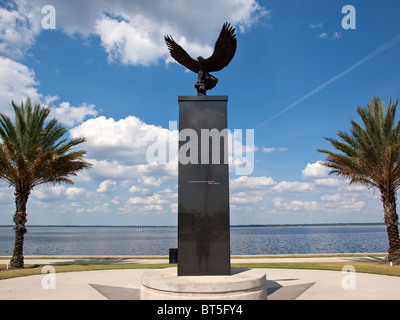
(242, 284)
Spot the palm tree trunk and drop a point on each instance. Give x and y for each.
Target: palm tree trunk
(21, 199)
(391, 220)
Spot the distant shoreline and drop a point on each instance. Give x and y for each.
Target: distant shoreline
(232, 226)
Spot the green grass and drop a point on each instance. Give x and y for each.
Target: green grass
(29, 270)
(332, 255)
(382, 268)
(88, 257)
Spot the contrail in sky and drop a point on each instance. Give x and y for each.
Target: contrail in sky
(372, 55)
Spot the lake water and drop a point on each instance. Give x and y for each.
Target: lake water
(157, 240)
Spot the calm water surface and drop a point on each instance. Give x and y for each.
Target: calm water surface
(158, 240)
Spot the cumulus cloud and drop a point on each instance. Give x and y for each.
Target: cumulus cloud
(342, 201)
(134, 35)
(126, 42)
(60, 192)
(161, 201)
(70, 115)
(145, 185)
(293, 186)
(17, 82)
(329, 182)
(125, 139)
(246, 182)
(154, 199)
(296, 205)
(131, 32)
(19, 25)
(315, 170)
(107, 186)
(242, 198)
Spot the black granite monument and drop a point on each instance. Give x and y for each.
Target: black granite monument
(203, 178)
(203, 189)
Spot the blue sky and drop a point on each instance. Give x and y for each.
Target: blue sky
(297, 77)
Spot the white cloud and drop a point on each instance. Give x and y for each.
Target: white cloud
(129, 43)
(135, 34)
(103, 208)
(356, 206)
(342, 202)
(115, 200)
(154, 199)
(19, 25)
(322, 35)
(272, 149)
(150, 182)
(328, 182)
(246, 182)
(131, 32)
(337, 35)
(268, 150)
(296, 205)
(70, 115)
(174, 208)
(163, 201)
(315, 170)
(332, 197)
(17, 82)
(319, 25)
(126, 139)
(113, 169)
(117, 150)
(107, 186)
(47, 193)
(287, 186)
(346, 186)
(245, 198)
(145, 185)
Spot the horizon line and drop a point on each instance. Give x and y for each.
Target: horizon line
(232, 226)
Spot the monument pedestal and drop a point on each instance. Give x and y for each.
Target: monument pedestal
(242, 284)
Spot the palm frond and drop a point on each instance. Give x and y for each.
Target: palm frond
(34, 152)
(370, 153)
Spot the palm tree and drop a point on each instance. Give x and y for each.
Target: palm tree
(370, 155)
(33, 153)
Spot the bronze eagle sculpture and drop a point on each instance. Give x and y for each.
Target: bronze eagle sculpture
(224, 51)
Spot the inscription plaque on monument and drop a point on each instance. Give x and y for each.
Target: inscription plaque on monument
(203, 191)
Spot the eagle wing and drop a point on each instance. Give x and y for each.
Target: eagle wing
(224, 49)
(180, 55)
